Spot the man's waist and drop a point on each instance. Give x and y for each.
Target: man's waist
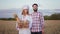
(36, 28)
(32, 30)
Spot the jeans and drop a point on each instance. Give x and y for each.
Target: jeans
(36, 32)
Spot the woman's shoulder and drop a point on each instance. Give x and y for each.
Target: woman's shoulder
(29, 18)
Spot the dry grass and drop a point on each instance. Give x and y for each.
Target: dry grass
(51, 27)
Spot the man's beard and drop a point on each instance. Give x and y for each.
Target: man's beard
(35, 10)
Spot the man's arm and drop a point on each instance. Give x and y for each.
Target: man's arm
(42, 22)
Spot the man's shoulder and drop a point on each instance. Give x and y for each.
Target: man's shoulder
(39, 12)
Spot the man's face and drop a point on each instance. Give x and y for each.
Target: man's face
(35, 8)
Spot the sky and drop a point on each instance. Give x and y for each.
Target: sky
(18, 4)
(43, 4)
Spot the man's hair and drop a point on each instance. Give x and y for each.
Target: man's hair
(34, 4)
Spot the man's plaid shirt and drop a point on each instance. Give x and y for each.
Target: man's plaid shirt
(38, 21)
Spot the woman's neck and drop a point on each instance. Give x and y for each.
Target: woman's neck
(24, 14)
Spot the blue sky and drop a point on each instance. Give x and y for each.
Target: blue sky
(18, 4)
(43, 4)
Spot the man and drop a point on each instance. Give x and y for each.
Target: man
(38, 21)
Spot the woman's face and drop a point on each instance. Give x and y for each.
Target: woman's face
(25, 11)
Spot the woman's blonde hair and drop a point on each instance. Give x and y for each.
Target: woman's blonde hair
(23, 12)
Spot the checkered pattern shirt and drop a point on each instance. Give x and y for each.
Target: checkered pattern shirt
(38, 22)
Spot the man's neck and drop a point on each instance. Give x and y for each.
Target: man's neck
(35, 11)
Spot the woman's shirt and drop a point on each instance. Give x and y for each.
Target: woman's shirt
(24, 18)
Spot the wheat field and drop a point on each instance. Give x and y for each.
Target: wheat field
(9, 27)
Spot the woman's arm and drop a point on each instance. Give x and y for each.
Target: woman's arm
(18, 21)
(16, 17)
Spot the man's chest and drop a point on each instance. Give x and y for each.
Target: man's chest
(36, 16)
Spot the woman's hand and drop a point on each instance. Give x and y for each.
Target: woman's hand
(20, 25)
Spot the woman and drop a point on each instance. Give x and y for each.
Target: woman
(25, 17)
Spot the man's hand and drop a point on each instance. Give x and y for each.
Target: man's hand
(42, 30)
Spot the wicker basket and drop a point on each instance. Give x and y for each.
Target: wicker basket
(23, 24)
